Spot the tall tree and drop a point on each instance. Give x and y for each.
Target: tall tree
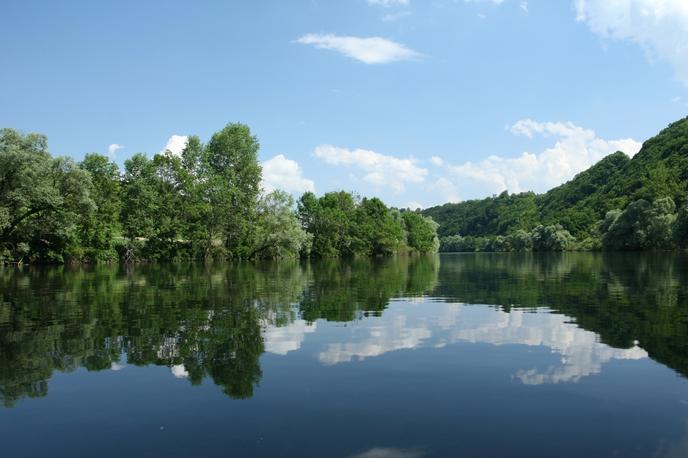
(99, 230)
(233, 177)
(41, 198)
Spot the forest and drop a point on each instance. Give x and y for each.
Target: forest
(620, 203)
(205, 203)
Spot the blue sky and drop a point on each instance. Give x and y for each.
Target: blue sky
(418, 101)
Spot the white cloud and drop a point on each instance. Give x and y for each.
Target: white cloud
(175, 145)
(369, 50)
(112, 149)
(436, 160)
(388, 3)
(380, 169)
(446, 189)
(524, 6)
(285, 174)
(575, 150)
(659, 26)
(413, 205)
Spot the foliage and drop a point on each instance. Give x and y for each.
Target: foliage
(421, 232)
(658, 171)
(203, 203)
(641, 225)
(278, 231)
(41, 200)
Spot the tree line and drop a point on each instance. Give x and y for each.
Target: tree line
(650, 190)
(204, 203)
(642, 225)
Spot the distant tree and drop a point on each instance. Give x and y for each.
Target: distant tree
(551, 238)
(520, 241)
(681, 226)
(421, 232)
(661, 221)
(376, 231)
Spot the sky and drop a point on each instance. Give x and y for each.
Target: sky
(419, 102)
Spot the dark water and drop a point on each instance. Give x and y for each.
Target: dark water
(454, 356)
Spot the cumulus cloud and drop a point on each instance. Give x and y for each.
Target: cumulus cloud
(285, 174)
(436, 160)
(447, 190)
(388, 3)
(175, 145)
(369, 50)
(112, 149)
(380, 169)
(575, 150)
(659, 26)
(413, 205)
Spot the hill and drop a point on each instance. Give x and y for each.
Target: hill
(658, 171)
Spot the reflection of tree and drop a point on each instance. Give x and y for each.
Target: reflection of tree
(344, 290)
(623, 297)
(207, 320)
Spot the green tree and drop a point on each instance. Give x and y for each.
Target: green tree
(551, 238)
(232, 175)
(376, 231)
(278, 232)
(421, 232)
(99, 230)
(41, 199)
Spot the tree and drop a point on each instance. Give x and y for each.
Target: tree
(551, 238)
(421, 232)
(278, 231)
(41, 199)
(660, 221)
(232, 176)
(376, 231)
(98, 230)
(139, 197)
(681, 226)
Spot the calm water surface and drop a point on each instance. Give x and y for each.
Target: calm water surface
(473, 355)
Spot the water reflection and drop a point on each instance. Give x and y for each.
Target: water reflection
(215, 322)
(580, 353)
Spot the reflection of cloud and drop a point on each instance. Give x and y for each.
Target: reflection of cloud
(406, 326)
(388, 335)
(581, 352)
(117, 366)
(283, 339)
(179, 371)
(380, 452)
